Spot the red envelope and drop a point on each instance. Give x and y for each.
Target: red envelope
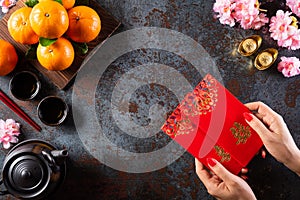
(209, 123)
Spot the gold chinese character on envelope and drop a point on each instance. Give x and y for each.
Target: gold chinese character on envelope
(209, 122)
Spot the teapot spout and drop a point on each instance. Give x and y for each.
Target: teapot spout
(60, 153)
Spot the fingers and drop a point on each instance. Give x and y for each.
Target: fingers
(220, 170)
(243, 175)
(260, 107)
(264, 112)
(272, 120)
(202, 173)
(257, 125)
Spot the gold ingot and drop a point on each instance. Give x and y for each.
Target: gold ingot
(249, 45)
(265, 58)
(294, 21)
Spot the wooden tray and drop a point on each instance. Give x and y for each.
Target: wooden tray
(61, 78)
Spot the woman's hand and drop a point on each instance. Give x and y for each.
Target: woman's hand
(275, 135)
(222, 184)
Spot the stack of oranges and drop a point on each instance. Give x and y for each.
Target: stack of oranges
(53, 25)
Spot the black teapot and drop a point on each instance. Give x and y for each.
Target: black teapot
(33, 169)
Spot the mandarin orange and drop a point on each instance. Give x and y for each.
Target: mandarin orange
(84, 25)
(67, 4)
(8, 57)
(57, 56)
(49, 19)
(19, 26)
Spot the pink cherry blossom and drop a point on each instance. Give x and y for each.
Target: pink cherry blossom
(9, 130)
(281, 30)
(254, 22)
(6, 4)
(260, 21)
(289, 66)
(280, 24)
(225, 9)
(294, 5)
(292, 41)
(246, 12)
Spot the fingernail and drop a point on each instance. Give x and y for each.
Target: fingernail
(211, 162)
(244, 177)
(248, 117)
(244, 170)
(263, 154)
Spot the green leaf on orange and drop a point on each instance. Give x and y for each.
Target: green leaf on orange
(82, 48)
(31, 3)
(59, 1)
(46, 42)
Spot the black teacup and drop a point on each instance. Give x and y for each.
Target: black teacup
(24, 85)
(52, 110)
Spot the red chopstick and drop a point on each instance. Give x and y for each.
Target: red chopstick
(13, 106)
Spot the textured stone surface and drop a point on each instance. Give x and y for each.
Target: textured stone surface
(87, 178)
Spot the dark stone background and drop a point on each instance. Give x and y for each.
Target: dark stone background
(87, 178)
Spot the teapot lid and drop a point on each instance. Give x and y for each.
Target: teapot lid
(26, 175)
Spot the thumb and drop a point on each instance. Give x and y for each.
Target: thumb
(257, 125)
(220, 170)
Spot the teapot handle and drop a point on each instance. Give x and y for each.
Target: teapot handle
(4, 192)
(51, 161)
(49, 158)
